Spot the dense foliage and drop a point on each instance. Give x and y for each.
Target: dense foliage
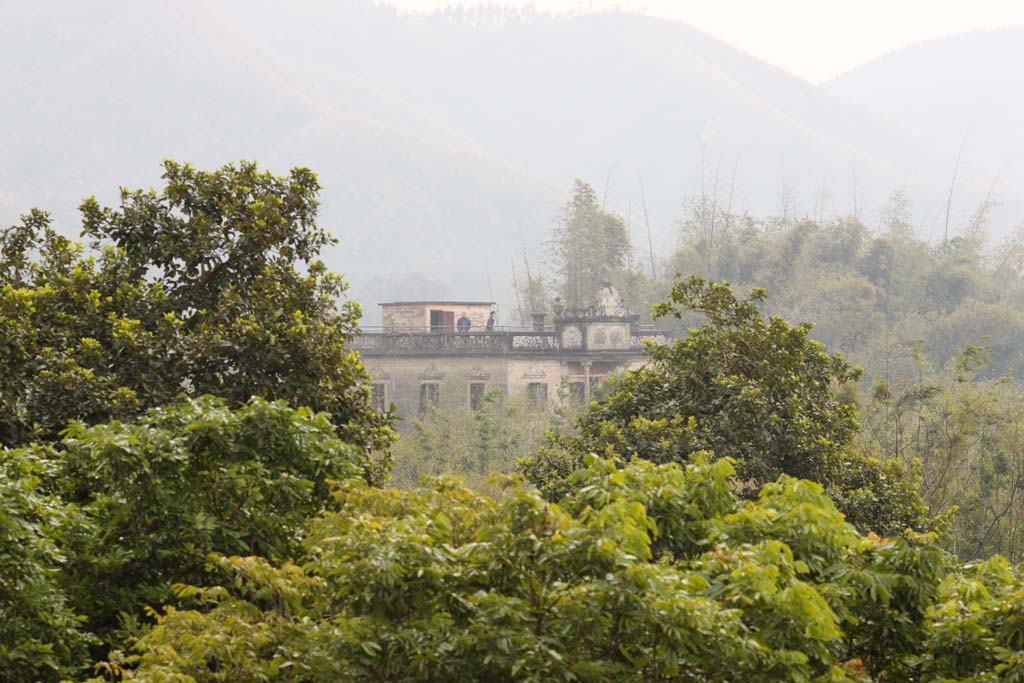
(40, 635)
(647, 573)
(211, 286)
(142, 505)
(114, 483)
(963, 432)
(184, 481)
(936, 328)
(758, 391)
(873, 290)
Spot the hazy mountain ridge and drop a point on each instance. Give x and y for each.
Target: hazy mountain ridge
(579, 95)
(440, 141)
(965, 89)
(180, 86)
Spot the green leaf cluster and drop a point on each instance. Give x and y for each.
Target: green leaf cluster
(105, 522)
(186, 480)
(41, 637)
(210, 286)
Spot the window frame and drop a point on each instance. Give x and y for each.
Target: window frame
(425, 402)
(537, 400)
(469, 394)
(379, 391)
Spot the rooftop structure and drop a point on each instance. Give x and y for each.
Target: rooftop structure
(434, 316)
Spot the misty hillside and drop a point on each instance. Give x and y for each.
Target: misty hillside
(105, 92)
(440, 140)
(622, 96)
(965, 89)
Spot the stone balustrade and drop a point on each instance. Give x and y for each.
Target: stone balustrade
(487, 343)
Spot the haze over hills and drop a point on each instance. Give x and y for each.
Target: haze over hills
(966, 89)
(442, 139)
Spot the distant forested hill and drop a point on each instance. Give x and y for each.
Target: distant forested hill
(965, 89)
(440, 140)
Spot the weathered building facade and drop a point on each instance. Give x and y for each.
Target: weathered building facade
(418, 358)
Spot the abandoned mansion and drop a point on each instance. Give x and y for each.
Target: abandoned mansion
(451, 353)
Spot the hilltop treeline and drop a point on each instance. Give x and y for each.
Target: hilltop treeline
(871, 292)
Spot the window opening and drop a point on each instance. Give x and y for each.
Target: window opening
(430, 392)
(378, 396)
(442, 321)
(476, 395)
(537, 394)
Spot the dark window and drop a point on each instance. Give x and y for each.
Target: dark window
(429, 394)
(476, 395)
(578, 393)
(378, 396)
(537, 394)
(442, 321)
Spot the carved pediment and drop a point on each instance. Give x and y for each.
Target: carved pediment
(378, 374)
(431, 373)
(477, 372)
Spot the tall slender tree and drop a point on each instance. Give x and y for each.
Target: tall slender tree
(589, 247)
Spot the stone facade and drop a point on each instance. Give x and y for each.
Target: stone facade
(401, 380)
(415, 364)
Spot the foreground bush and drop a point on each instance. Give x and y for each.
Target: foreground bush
(646, 573)
(153, 498)
(40, 636)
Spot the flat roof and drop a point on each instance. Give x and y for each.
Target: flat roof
(437, 303)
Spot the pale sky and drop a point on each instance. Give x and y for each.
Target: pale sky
(814, 39)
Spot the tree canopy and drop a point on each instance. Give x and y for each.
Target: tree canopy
(210, 286)
(41, 636)
(185, 480)
(717, 515)
(758, 391)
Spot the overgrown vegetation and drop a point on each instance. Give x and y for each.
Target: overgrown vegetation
(935, 329)
(476, 443)
(759, 392)
(646, 573)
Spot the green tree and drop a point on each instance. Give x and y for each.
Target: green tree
(965, 434)
(897, 221)
(589, 247)
(758, 391)
(41, 638)
(211, 285)
(183, 481)
(975, 629)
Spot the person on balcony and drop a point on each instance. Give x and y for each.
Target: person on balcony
(491, 322)
(463, 324)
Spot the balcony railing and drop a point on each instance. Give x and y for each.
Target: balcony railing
(381, 341)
